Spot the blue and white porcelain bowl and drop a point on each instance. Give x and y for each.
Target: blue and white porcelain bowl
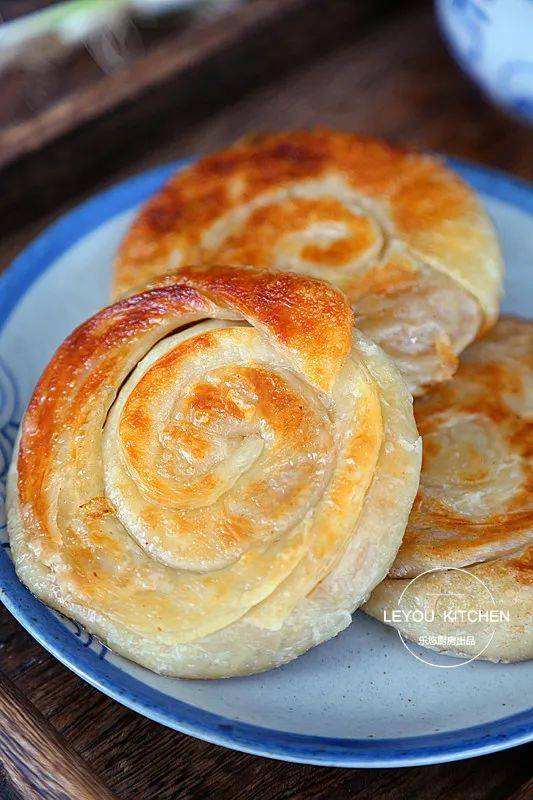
(492, 40)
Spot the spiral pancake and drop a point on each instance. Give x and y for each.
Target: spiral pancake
(214, 473)
(398, 232)
(474, 508)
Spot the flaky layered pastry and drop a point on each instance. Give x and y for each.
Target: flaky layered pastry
(213, 474)
(403, 236)
(474, 508)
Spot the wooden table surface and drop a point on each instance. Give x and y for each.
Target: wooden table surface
(394, 80)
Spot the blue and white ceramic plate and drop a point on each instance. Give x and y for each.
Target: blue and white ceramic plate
(359, 700)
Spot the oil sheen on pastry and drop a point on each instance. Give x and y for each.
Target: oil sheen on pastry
(213, 474)
(402, 235)
(474, 508)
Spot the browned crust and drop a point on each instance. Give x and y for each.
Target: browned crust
(297, 312)
(486, 384)
(429, 207)
(309, 317)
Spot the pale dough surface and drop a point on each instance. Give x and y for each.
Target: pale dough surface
(213, 474)
(400, 233)
(474, 508)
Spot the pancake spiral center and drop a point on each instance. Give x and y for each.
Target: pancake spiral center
(206, 435)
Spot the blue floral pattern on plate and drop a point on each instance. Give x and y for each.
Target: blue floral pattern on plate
(9, 423)
(10, 413)
(144, 692)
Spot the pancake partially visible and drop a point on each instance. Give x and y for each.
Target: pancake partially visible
(474, 507)
(401, 234)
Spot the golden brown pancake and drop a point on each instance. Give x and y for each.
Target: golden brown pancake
(474, 507)
(214, 473)
(401, 234)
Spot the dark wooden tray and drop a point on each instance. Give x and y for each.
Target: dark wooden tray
(106, 120)
(391, 77)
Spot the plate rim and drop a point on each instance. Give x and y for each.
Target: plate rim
(40, 622)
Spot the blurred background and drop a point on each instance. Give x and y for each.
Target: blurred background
(93, 90)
